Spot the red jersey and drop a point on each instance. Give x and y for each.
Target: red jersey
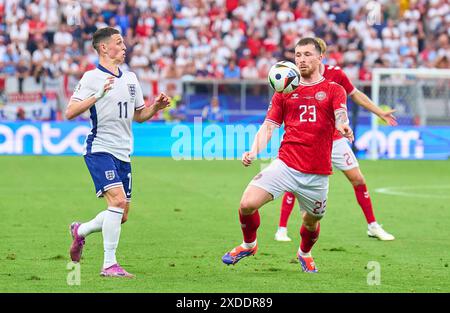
(337, 75)
(309, 124)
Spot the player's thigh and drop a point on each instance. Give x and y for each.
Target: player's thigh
(312, 195)
(275, 179)
(104, 172)
(342, 156)
(124, 170)
(253, 198)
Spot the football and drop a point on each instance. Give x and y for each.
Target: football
(284, 76)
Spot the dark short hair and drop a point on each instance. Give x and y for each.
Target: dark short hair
(310, 41)
(102, 34)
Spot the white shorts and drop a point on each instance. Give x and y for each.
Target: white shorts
(311, 190)
(342, 156)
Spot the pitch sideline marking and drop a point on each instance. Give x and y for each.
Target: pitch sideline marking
(396, 191)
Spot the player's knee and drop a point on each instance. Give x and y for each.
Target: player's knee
(119, 202)
(358, 180)
(310, 221)
(247, 207)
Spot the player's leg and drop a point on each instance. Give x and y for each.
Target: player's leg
(124, 171)
(104, 174)
(309, 233)
(345, 160)
(267, 185)
(253, 198)
(356, 178)
(312, 197)
(116, 199)
(287, 204)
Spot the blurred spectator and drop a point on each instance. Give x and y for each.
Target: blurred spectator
(22, 72)
(20, 114)
(250, 71)
(9, 61)
(232, 70)
(212, 113)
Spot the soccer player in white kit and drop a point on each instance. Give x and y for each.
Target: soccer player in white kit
(114, 99)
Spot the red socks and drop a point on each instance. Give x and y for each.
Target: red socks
(249, 225)
(362, 195)
(286, 208)
(309, 238)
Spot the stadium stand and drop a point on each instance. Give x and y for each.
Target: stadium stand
(45, 46)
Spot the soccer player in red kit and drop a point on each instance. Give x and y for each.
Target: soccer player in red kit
(310, 114)
(343, 157)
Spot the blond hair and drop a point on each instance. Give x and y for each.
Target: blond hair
(322, 44)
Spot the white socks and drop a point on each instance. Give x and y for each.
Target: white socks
(111, 233)
(303, 254)
(247, 245)
(94, 225)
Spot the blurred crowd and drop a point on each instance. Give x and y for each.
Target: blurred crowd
(221, 38)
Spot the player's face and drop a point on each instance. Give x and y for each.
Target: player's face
(116, 48)
(307, 59)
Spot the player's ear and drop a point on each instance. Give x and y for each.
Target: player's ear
(102, 47)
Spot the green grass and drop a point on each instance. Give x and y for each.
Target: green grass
(184, 218)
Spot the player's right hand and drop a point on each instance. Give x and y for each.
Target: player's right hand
(247, 158)
(106, 87)
(162, 101)
(346, 131)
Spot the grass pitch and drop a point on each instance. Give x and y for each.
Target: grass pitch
(184, 218)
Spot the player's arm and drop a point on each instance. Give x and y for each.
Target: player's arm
(262, 137)
(162, 101)
(342, 122)
(274, 119)
(362, 100)
(77, 106)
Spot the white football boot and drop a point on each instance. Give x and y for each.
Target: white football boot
(281, 234)
(375, 230)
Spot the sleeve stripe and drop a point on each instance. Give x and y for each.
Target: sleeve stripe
(353, 91)
(273, 122)
(75, 98)
(140, 108)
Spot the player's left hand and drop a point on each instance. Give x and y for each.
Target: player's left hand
(389, 117)
(346, 131)
(162, 101)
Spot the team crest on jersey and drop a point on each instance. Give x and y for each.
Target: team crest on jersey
(132, 90)
(321, 95)
(110, 175)
(294, 96)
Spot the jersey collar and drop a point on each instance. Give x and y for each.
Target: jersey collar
(313, 83)
(104, 69)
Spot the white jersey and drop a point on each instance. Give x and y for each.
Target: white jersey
(111, 116)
